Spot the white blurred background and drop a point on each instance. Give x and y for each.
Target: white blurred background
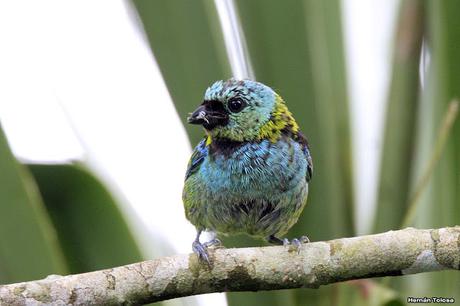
(78, 82)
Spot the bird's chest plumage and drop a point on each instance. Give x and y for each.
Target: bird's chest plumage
(254, 170)
(258, 188)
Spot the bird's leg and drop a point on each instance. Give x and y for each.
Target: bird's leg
(200, 249)
(296, 243)
(213, 242)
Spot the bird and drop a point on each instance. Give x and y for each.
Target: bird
(250, 172)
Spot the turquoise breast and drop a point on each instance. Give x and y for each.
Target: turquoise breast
(256, 188)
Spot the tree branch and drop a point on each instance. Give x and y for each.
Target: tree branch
(392, 253)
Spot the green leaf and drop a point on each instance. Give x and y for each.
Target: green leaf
(28, 244)
(445, 79)
(296, 48)
(187, 41)
(306, 67)
(399, 150)
(188, 45)
(440, 205)
(90, 227)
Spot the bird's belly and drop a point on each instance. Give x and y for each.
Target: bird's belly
(255, 191)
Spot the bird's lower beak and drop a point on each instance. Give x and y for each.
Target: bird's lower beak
(198, 116)
(210, 115)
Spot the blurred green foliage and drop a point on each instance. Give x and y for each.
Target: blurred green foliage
(57, 219)
(90, 228)
(399, 147)
(441, 203)
(188, 45)
(28, 244)
(311, 79)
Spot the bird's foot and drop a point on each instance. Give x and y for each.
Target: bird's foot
(215, 242)
(296, 243)
(201, 250)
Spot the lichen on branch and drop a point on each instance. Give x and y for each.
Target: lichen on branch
(392, 253)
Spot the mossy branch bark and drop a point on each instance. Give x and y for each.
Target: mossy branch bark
(392, 253)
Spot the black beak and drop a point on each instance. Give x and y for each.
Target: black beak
(198, 116)
(210, 114)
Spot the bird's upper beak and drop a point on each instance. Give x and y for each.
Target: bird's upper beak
(198, 116)
(210, 114)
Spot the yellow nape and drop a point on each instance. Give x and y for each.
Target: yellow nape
(208, 139)
(281, 118)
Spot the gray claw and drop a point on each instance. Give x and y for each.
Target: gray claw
(201, 251)
(286, 242)
(296, 244)
(304, 239)
(213, 243)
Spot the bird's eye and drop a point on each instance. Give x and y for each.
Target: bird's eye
(235, 105)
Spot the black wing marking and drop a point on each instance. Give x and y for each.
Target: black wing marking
(300, 138)
(199, 154)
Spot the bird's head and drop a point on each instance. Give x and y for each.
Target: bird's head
(243, 110)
